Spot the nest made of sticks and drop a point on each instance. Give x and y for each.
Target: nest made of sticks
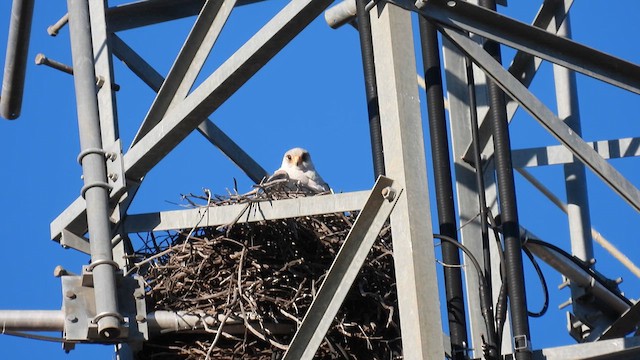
(259, 279)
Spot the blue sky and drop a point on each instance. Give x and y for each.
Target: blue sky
(309, 95)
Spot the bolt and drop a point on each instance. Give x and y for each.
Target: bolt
(451, 3)
(388, 193)
(41, 59)
(72, 319)
(141, 318)
(138, 295)
(59, 271)
(563, 285)
(113, 177)
(70, 294)
(99, 81)
(420, 4)
(565, 304)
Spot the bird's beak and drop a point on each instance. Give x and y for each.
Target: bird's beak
(297, 160)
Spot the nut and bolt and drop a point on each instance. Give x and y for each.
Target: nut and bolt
(388, 194)
(70, 294)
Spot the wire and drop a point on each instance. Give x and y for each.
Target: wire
(36, 337)
(489, 347)
(467, 252)
(543, 282)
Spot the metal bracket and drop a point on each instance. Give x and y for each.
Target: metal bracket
(80, 314)
(115, 167)
(74, 241)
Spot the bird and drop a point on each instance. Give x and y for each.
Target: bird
(300, 173)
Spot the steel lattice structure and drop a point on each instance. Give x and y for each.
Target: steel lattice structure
(482, 98)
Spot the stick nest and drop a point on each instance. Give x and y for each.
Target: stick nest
(257, 280)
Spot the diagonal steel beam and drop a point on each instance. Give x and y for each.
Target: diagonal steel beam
(218, 87)
(188, 63)
(547, 118)
(344, 270)
(207, 128)
(538, 42)
(524, 66)
(212, 93)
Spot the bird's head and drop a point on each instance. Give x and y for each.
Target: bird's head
(297, 158)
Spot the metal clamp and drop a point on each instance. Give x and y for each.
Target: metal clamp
(86, 152)
(101, 184)
(97, 318)
(521, 343)
(103, 262)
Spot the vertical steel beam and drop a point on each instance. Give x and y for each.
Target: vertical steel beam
(405, 162)
(104, 70)
(15, 65)
(92, 158)
(575, 177)
(109, 132)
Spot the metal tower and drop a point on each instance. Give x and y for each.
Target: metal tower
(486, 307)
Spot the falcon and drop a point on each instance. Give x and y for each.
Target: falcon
(298, 169)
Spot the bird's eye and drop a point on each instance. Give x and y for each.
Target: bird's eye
(305, 156)
(289, 157)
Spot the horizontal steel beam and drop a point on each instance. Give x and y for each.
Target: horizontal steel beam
(143, 13)
(32, 320)
(491, 25)
(249, 212)
(618, 349)
(559, 154)
(512, 87)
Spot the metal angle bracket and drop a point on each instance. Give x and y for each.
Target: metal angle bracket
(115, 168)
(344, 270)
(74, 241)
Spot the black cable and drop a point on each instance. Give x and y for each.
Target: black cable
(501, 302)
(443, 183)
(508, 207)
(491, 352)
(543, 282)
(371, 89)
(475, 137)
